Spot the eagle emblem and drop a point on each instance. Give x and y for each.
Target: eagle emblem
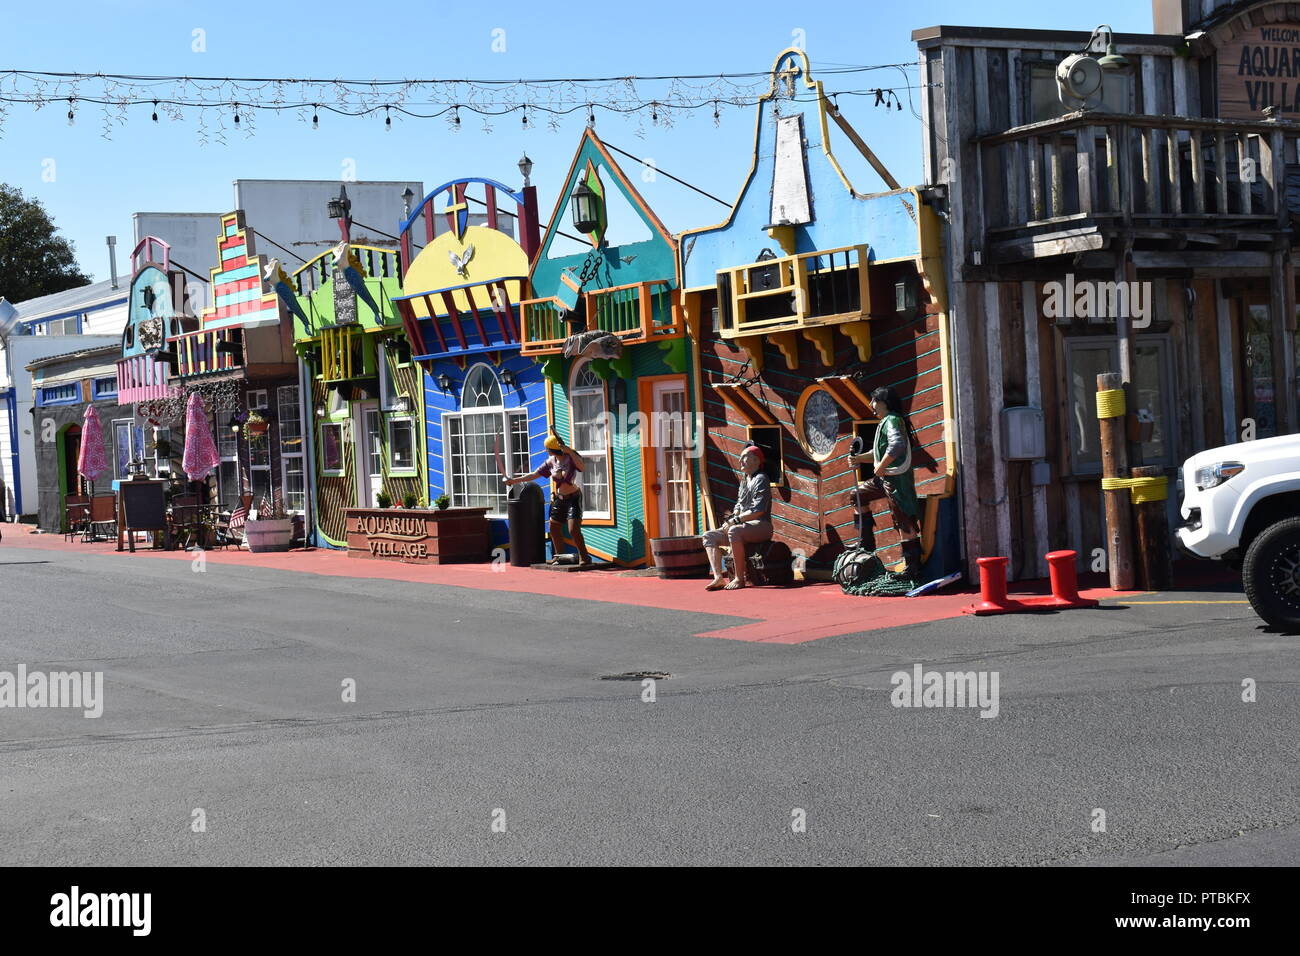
(461, 261)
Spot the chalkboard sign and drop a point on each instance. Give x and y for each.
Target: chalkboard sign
(143, 507)
(345, 301)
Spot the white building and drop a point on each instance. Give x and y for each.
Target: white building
(49, 325)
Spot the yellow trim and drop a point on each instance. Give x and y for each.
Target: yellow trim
(788, 343)
(823, 337)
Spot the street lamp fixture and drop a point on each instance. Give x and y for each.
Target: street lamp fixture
(586, 209)
(508, 378)
(444, 381)
(340, 206)
(1112, 62)
(526, 169)
(408, 196)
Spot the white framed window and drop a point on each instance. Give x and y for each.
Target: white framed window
(401, 444)
(1087, 356)
(473, 436)
(228, 486)
(128, 446)
(589, 414)
(293, 478)
(257, 399)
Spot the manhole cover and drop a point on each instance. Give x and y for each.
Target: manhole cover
(638, 675)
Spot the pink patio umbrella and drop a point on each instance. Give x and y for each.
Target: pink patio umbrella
(201, 454)
(91, 460)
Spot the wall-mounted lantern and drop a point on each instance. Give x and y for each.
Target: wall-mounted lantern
(586, 209)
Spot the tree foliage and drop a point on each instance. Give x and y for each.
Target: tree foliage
(34, 259)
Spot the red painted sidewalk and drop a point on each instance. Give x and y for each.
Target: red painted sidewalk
(774, 615)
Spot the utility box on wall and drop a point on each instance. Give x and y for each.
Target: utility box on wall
(1024, 435)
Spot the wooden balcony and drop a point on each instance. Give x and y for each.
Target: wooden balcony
(207, 351)
(1073, 184)
(379, 263)
(638, 312)
(810, 294)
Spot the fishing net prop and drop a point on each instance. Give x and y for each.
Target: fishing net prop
(860, 573)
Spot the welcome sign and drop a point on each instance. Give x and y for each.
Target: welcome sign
(1260, 68)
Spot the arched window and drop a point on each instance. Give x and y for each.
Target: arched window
(482, 390)
(472, 438)
(589, 409)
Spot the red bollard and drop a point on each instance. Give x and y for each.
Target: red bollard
(1065, 584)
(993, 589)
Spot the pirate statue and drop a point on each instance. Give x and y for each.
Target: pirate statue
(749, 523)
(562, 466)
(892, 477)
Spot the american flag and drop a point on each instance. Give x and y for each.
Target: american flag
(238, 517)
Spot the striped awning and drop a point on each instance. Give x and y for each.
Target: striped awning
(142, 378)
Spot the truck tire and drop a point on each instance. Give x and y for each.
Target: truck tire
(1271, 575)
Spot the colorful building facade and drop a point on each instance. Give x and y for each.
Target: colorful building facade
(364, 401)
(605, 323)
(239, 358)
(806, 298)
(483, 401)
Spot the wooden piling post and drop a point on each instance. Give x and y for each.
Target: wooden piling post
(1153, 536)
(1114, 464)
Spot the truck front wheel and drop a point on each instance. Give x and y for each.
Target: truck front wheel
(1271, 574)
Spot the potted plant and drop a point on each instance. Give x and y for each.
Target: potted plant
(442, 502)
(256, 425)
(384, 499)
(410, 500)
(272, 529)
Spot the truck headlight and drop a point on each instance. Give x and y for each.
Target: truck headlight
(1211, 476)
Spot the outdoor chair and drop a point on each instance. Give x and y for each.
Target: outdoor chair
(185, 520)
(226, 535)
(76, 514)
(103, 518)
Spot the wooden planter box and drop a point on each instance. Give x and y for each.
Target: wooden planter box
(418, 535)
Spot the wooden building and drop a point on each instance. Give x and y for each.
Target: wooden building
(626, 406)
(484, 403)
(364, 399)
(1144, 229)
(809, 296)
(157, 307)
(239, 358)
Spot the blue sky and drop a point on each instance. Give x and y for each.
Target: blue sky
(97, 183)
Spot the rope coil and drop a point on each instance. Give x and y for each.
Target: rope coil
(1110, 403)
(1142, 489)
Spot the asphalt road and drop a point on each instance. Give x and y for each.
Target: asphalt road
(223, 691)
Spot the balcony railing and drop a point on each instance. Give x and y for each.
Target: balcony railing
(379, 264)
(207, 351)
(793, 292)
(344, 354)
(637, 312)
(1136, 171)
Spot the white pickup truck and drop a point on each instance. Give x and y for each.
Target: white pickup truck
(1241, 504)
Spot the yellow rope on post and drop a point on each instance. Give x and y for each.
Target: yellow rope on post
(1110, 403)
(1142, 489)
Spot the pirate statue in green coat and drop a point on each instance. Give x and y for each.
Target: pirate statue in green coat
(892, 478)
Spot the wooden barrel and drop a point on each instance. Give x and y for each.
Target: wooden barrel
(680, 557)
